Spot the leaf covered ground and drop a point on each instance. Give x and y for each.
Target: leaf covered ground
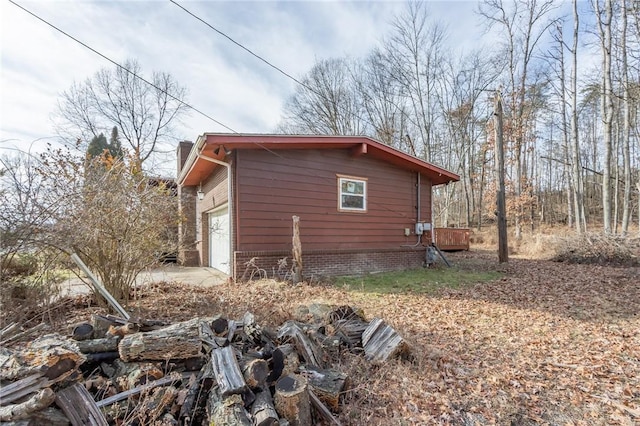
(547, 343)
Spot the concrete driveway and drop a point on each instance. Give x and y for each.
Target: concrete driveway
(196, 276)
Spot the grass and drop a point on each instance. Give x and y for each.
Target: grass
(421, 281)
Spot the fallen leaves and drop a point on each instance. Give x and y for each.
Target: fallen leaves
(548, 343)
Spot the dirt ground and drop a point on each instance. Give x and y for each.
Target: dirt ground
(548, 343)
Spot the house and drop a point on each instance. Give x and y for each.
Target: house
(363, 206)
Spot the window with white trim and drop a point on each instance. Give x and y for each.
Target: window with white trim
(352, 194)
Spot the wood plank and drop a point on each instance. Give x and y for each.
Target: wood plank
(79, 407)
(21, 388)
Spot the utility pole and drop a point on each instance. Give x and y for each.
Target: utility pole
(501, 205)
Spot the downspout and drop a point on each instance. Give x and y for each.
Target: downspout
(229, 205)
(417, 215)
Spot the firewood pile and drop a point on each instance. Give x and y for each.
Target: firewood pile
(207, 370)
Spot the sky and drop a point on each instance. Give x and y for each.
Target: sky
(38, 63)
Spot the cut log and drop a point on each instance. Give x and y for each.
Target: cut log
(36, 402)
(83, 331)
(284, 361)
(227, 411)
(178, 341)
(382, 342)
(292, 400)
(255, 372)
(79, 407)
(54, 356)
(108, 344)
(311, 353)
(101, 324)
(328, 385)
(263, 411)
(21, 388)
(227, 371)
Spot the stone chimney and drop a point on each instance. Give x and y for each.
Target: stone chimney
(184, 148)
(188, 254)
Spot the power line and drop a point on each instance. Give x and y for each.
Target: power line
(123, 68)
(275, 67)
(280, 70)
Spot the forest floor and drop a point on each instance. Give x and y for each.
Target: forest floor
(546, 343)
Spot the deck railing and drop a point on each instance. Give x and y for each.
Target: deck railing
(452, 238)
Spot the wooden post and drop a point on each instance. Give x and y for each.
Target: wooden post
(501, 208)
(297, 251)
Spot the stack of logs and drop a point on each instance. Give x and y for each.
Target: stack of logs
(208, 370)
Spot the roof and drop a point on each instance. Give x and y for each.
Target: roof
(215, 146)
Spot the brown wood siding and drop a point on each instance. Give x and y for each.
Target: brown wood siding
(272, 187)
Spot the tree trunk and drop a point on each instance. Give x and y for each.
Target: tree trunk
(626, 130)
(606, 104)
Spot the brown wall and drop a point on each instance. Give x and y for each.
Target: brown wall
(272, 187)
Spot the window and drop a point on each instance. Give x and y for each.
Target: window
(352, 194)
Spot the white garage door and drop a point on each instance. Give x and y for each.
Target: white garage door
(219, 240)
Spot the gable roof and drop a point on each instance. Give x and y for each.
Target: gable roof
(215, 145)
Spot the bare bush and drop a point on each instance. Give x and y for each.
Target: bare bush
(592, 248)
(114, 216)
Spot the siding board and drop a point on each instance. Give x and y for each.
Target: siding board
(272, 188)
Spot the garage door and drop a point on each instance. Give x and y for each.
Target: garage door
(219, 240)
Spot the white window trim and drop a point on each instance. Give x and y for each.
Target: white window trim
(363, 180)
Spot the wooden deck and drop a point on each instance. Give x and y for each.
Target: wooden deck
(452, 239)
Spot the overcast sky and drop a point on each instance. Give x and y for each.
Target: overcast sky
(38, 63)
(224, 81)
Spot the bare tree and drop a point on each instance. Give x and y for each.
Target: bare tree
(144, 114)
(523, 23)
(626, 125)
(415, 53)
(326, 103)
(382, 100)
